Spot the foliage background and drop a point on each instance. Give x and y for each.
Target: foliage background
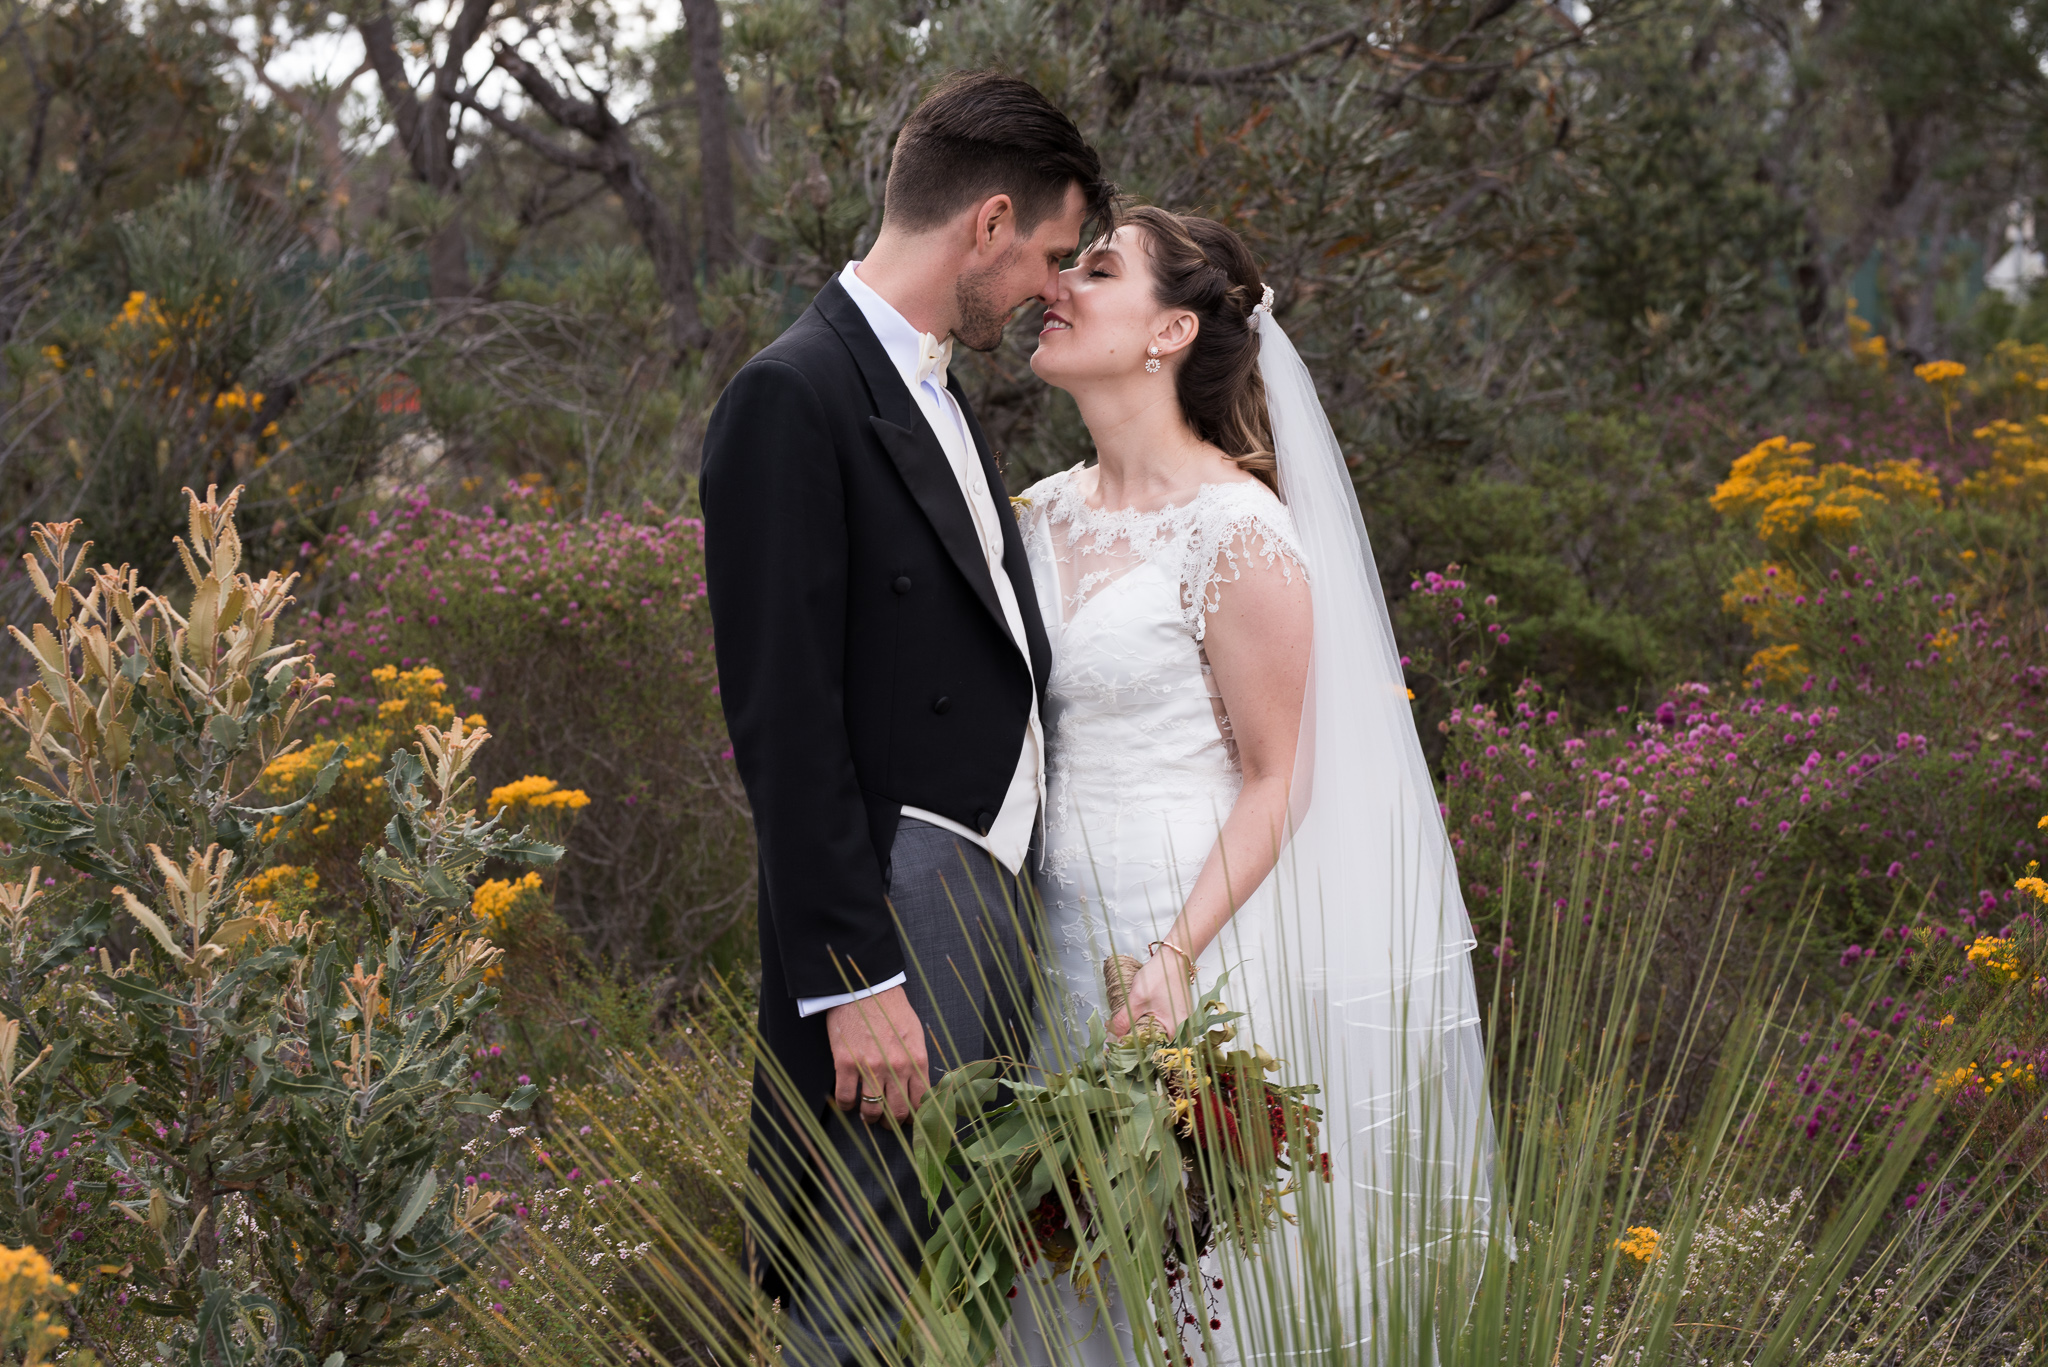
(448, 288)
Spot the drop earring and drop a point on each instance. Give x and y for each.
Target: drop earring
(1152, 366)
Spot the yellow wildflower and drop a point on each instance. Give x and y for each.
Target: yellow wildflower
(537, 794)
(2016, 479)
(1995, 957)
(495, 899)
(1762, 596)
(1955, 1079)
(2034, 888)
(1778, 665)
(281, 878)
(1862, 344)
(26, 1280)
(1777, 485)
(1942, 375)
(1642, 1243)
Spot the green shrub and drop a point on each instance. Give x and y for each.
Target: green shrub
(269, 1132)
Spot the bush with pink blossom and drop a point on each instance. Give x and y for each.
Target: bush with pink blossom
(587, 643)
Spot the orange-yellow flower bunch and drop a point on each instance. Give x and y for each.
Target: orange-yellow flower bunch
(495, 898)
(537, 794)
(353, 812)
(1994, 957)
(1763, 597)
(2016, 1073)
(494, 901)
(1776, 487)
(282, 888)
(27, 1284)
(1943, 376)
(2017, 477)
(1862, 344)
(1643, 1243)
(169, 346)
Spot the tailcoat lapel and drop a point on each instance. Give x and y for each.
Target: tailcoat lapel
(921, 461)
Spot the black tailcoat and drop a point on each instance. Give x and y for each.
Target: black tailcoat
(863, 658)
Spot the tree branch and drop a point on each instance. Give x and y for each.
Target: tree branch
(1251, 71)
(553, 152)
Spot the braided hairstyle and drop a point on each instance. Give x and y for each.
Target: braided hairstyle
(1203, 267)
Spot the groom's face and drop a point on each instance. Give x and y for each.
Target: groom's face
(1012, 269)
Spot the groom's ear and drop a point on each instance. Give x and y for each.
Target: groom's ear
(995, 216)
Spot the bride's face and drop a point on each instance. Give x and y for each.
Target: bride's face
(1104, 320)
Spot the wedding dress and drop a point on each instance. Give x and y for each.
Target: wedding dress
(1141, 769)
(1351, 961)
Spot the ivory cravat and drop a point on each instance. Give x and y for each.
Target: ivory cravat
(933, 356)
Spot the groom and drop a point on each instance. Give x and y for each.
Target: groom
(881, 659)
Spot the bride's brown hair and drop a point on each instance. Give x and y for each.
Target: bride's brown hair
(1203, 267)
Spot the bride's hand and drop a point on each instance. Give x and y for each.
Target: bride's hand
(1160, 989)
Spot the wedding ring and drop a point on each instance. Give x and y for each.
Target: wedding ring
(872, 1100)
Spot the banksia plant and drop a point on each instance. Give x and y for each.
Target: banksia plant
(271, 1114)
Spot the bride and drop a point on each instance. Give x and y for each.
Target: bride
(1235, 783)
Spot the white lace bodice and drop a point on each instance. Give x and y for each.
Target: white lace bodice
(1141, 771)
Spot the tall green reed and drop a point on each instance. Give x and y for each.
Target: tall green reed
(1622, 1105)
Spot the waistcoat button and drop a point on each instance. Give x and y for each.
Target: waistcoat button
(902, 584)
(942, 705)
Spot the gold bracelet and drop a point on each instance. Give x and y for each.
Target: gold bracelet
(1185, 957)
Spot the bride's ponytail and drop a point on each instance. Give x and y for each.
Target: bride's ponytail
(1203, 267)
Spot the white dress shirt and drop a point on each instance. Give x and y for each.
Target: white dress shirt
(1009, 837)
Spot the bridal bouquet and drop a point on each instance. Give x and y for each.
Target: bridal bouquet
(1158, 1146)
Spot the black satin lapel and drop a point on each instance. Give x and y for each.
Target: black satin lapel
(1015, 564)
(922, 463)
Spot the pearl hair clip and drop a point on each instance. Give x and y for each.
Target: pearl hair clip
(1265, 305)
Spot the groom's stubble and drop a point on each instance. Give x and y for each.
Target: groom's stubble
(984, 313)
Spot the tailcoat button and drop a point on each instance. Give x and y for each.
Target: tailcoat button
(982, 821)
(902, 584)
(942, 705)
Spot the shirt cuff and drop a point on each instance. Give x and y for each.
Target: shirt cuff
(811, 1006)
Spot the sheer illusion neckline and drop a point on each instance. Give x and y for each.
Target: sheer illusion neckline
(1069, 504)
(1094, 549)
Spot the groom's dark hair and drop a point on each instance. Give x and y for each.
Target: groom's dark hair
(981, 133)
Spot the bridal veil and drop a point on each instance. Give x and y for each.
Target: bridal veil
(1357, 965)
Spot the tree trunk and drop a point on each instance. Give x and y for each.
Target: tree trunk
(705, 27)
(320, 111)
(1923, 330)
(668, 242)
(427, 131)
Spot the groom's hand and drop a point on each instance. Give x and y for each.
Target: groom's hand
(878, 1051)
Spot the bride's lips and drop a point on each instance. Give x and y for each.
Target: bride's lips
(1054, 323)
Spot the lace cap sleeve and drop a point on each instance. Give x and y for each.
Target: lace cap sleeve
(1238, 529)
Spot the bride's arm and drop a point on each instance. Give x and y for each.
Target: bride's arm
(1257, 641)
